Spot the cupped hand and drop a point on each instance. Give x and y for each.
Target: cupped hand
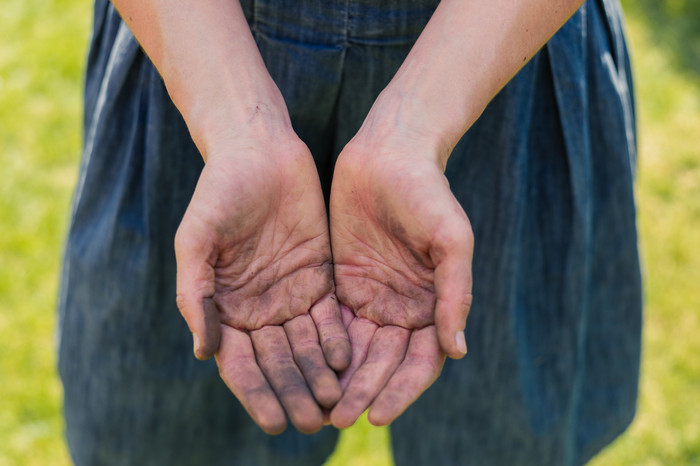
(255, 280)
(402, 249)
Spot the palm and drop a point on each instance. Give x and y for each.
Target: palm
(382, 267)
(254, 268)
(274, 258)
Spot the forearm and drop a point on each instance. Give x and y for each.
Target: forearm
(211, 66)
(468, 51)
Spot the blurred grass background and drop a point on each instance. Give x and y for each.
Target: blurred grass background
(42, 50)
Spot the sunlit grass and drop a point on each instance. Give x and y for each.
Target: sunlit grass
(41, 58)
(667, 428)
(362, 445)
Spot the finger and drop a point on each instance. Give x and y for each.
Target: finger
(308, 356)
(419, 370)
(360, 332)
(240, 372)
(347, 315)
(452, 255)
(385, 354)
(274, 356)
(195, 287)
(331, 331)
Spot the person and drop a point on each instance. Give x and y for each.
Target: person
(323, 250)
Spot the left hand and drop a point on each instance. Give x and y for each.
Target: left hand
(402, 249)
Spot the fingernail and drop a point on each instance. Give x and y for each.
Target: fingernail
(461, 342)
(195, 339)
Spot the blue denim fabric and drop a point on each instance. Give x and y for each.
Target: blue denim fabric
(545, 175)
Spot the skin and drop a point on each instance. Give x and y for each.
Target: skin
(402, 245)
(254, 249)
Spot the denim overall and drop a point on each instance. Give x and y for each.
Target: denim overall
(545, 176)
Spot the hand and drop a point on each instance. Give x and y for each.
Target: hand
(255, 280)
(402, 247)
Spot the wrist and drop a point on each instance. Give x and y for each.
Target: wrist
(398, 123)
(238, 118)
(211, 67)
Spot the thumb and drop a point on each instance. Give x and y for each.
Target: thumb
(195, 289)
(453, 287)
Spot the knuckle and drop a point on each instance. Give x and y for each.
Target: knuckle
(275, 360)
(466, 302)
(180, 299)
(454, 237)
(293, 388)
(182, 302)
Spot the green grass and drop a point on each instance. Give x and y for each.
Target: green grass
(666, 53)
(41, 56)
(41, 59)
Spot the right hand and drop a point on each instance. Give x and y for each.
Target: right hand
(255, 279)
